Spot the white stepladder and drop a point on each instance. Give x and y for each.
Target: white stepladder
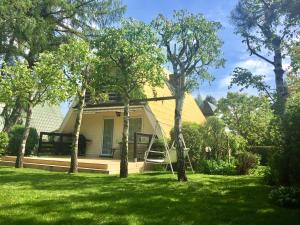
(166, 157)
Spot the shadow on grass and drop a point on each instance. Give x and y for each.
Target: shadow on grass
(58, 198)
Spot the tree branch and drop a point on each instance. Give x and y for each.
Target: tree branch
(252, 51)
(76, 7)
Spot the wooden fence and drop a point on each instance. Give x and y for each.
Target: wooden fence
(53, 143)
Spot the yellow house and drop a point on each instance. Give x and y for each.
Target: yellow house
(102, 124)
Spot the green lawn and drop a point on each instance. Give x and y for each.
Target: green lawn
(37, 197)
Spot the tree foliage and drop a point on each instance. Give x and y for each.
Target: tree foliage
(192, 46)
(42, 83)
(266, 27)
(244, 78)
(30, 27)
(249, 116)
(129, 60)
(78, 63)
(43, 25)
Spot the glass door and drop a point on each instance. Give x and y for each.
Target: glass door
(108, 131)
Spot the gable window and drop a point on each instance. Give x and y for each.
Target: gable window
(135, 125)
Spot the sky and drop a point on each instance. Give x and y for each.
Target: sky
(234, 51)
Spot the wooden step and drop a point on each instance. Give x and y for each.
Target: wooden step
(53, 167)
(63, 164)
(58, 162)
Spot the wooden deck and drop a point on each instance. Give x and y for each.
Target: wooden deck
(99, 165)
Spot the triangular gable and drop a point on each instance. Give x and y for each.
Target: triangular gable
(163, 111)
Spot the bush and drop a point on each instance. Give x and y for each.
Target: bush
(285, 197)
(260, 171)
(216, 167)
(269, 177)
(158, 145)
(214, 136)
(15, 139)
(236, 143)
(285, 163)
(246, 161)
(265, 153)
(3, 142)
(192, 138)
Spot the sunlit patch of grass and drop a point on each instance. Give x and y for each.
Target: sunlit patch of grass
(37, 197)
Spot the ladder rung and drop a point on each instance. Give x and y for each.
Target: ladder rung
(158, 161)
(157, 152)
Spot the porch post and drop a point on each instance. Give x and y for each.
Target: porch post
(135, 148)
(40, 143)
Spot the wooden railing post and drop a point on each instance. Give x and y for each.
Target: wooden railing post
(135, 148)
(40, 143)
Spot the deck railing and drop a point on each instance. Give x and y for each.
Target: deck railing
(53, 143)
(140, 145)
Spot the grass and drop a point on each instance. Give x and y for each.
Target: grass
(37, 197)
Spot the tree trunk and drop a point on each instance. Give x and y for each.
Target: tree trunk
(124, 149)
(20, 156)
(76, 131)
(279, 72)
(179, 89)
(13, 117)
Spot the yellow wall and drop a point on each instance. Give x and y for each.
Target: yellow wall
(164, 110)
(92, 128)
(160, 111)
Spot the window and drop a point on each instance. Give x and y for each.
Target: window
(135, 125)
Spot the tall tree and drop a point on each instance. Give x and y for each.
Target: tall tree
(192, 46)
(42, 83)
(129, 61)
(266, 29)
(30, 27)
(78, 64)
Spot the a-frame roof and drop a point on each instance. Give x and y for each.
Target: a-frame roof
(164, 111)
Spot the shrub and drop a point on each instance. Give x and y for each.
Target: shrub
(158, 145)
(285, 163)
(265, 153)
(246, 161)
(3, 142)
(285, 197)
(192, 138)
(237, 143)
(259, 171)
(214, 136)
(15, 139)
(216, 167)
(269, 177)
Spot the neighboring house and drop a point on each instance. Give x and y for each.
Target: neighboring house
(208, 108)
(102, 124)
(44, 118)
